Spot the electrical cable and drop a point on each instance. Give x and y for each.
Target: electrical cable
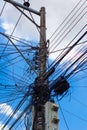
(16, 109)
(80, 118)
(3, 8)
(55, 65)
(26, 108)
(77, 100)
(66, 25)
(27, 61)
(63, 55)
(65, 19)
(68, 31)
(63, 115)
(83, 42)
(12, 33)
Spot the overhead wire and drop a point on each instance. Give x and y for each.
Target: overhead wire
(16, 109)
(65, 19)
(20, 117)
(66, 26)
(26, 108)
(63, 67)
(27, 61)
(63, 115)
(21, 40)
(33, 21)
(74, 71)
(76, 65)
(18, 20)
(83, 42)
(74, 62)
(20, 124)
(62, 54)
(3, 8)
(68, 31)
(80, 118)
(17, 77)
(26, 16)
(77, 100)
(12, 33)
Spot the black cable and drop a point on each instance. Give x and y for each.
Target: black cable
(80, 118)
(26, 16)
(65, 19)
(12, 33)
(74, 62)
(77, 100)
(27, 61)
(68, 23)
(68, 31)
(3, 8)
(67, 47)
(58, 59)
(26, 108)
(63, 115)
(16, 109)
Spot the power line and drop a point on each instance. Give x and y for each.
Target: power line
(3, 8)
(68, 17)
(16, 109)
(77, 100)
(63, 115)
(62, 55)
(67, 47)
(80, 118)
(69, 30)
(25, 75)
(27, 61)
(12, 33)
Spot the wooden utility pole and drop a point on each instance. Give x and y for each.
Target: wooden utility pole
(39, 112)
(43, 45)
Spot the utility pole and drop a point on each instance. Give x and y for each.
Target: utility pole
(41, 95)
(41, 84)
(43, 44)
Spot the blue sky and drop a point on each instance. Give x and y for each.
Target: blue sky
(15, 74)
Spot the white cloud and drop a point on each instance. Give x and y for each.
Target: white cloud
(56, 11)
(7, 27)
(7, 110)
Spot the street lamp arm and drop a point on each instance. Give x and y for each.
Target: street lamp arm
(23, 7)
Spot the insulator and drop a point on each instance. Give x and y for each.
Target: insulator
(27, 4)
(36, 53)
(36, 67)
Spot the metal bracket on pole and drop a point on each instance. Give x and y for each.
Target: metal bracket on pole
(23, 7)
